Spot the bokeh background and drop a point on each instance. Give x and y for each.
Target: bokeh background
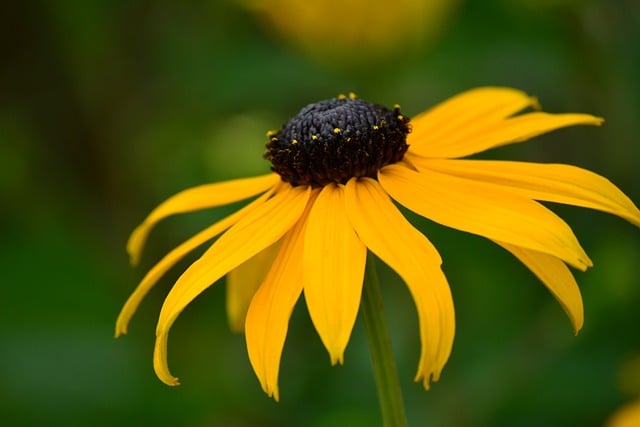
(107, 108)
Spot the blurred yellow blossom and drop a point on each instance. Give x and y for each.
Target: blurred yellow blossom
(343, 32)
(627, 416)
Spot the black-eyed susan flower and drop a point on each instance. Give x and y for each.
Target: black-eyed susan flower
(337, 167)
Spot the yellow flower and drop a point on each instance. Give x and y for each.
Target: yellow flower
(337, 166)
(626, 416)
(331, 31)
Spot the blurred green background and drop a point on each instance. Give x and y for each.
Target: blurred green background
(107, 108)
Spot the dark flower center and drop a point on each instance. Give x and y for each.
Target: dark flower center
(337, 139)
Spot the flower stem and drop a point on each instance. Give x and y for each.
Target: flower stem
(384, 365)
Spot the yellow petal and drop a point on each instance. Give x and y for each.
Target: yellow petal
(242, 283)
(169, 260)
(483, 209)
(548, 182)
(471, 139)
(386, 232)
(333, 262)
(267, 320)
(257, 230)
(471, 109)
(192, 199)
(556, 277)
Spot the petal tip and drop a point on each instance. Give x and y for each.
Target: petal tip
(236, 327)
(173, 381)
(425, 379)
(121, 327)
(134, 245)
(577, 324)
(167, 378)
(432, 376)
(134, 259)
(586, 119)
(337, 358)
(535, 103)
(272, 393)
(585, 263)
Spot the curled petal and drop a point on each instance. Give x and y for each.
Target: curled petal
(556, 277)
(393, 239)
(196, 198)
(333, 262)
(483, 209)
(556, 183)
(169, 260)
(482, 136)
(256, 231)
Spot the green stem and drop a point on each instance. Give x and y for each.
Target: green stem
(384, 365)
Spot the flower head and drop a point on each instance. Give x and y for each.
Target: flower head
(337, 166)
